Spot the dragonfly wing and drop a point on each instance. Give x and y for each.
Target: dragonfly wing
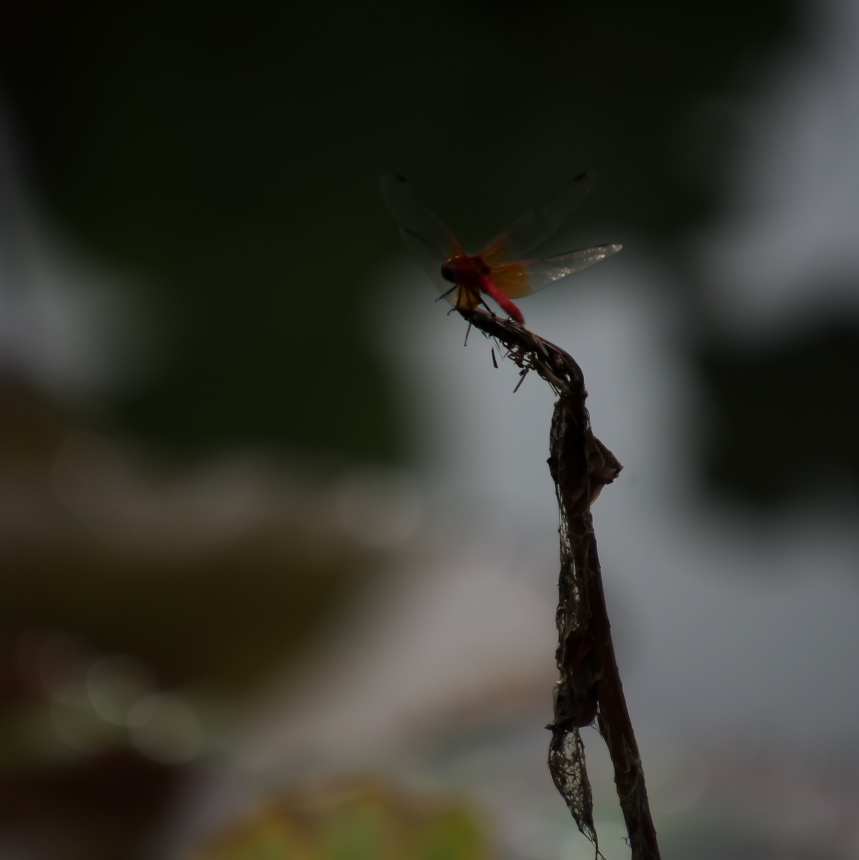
(521, 279)
(536, 226)
(425, 235)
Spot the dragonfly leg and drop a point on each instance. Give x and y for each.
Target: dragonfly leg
(445, 295)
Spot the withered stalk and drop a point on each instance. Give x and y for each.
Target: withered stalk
(589, 687)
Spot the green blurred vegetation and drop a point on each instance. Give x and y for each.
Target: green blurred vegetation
(208, 593)
(230, 156)
(789, 422)
(361, 822)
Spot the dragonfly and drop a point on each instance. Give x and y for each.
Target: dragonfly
(499, 270)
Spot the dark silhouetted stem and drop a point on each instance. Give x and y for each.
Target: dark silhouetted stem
(589, 687)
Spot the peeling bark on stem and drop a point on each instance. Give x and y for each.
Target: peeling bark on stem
(589, 687)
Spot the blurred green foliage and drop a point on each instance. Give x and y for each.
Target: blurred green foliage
(789, 424)
(214, 583)
(230, 156)
(362, 822)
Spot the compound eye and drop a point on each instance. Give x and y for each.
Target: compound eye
(448, 273)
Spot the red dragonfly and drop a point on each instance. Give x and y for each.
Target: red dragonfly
(497, 271)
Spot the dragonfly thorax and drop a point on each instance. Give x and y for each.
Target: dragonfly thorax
(464, 270)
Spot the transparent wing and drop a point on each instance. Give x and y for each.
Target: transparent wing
(521, 279)
(425, 235)
(536, 226)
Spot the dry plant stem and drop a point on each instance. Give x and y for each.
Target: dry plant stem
(589, 687)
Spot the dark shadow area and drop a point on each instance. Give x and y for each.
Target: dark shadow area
(784, 416)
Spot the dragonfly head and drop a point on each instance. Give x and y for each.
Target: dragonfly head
(448, 271)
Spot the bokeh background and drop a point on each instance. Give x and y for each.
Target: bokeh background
(278, 554)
